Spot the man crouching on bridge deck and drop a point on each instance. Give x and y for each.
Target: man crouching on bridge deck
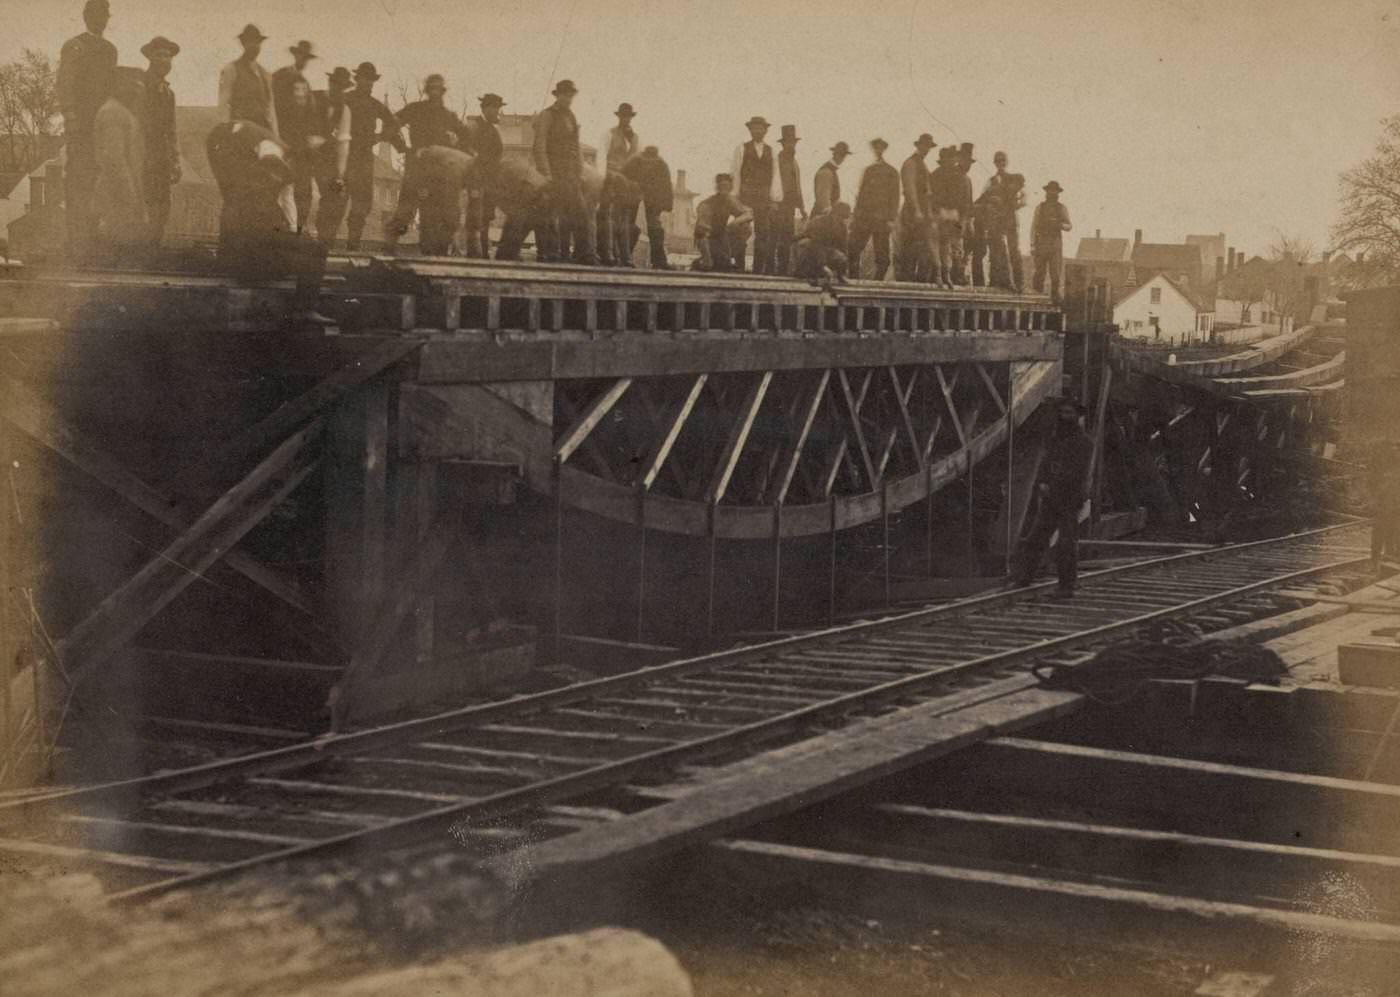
(1060, 495)
(257, 237)
(821, 252)
(722, 227)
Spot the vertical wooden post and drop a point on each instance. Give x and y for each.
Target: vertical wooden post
(356, 507)
(928, 522)
(711, 514)
(425, 622)
(1010, 466)
(777, 561)
(971, 508)
(556, 480)
(641, 560)
(831, 593)
(885, 535)
(9, 622)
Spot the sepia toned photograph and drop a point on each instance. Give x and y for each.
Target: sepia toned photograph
(651, 498)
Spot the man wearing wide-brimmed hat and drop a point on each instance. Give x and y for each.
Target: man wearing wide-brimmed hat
(85, 66)
(370, 124)
(333, 158)
(288, 76)
(877, 207)
(1060, 495)
(558, 155)
(245, 88)
(485, 142)
(162, 146)
(620, 143)
(430, 123)
(826, 185)
(945, 199)
(757, 185)
(791, 205)
(1047, 249)
(915, 232)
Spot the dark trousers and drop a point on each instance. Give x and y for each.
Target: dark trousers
(255, 244)
(440, 214)
(304, 170)
(571, 223)
(518, 226)
(79, 181)
(413, 194)
(919, 254)
(1049, 258)
(1009, 236)
(615, 225)
(157, 209)
(813, 257)
(784, 238)
(1052, 514)
(359, 187)
(865, 230)
(764, 223)
(977, 246)
(481, 212)
(656, 234)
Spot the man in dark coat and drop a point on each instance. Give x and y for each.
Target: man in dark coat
(370, 124)
(523, 194)
(945, 200)
(257, 238)
(1047, 247)
(162, 147)
(877, 207)
(285, 78)
(245, 88)
(650, 172)
(1008, 196)
(821, 252)
(915, 229)
(722, 222)
(790, 201)
(484, 141)
(558, 156)
(333, 159)
(755, 172)
(1060, 496)
(966, 204)
(430, 122)
(85, 66)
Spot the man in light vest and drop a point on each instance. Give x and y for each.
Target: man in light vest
(758, 188)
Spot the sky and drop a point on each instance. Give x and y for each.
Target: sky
(1171, 116)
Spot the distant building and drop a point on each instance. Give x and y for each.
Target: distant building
(1178, 261)
(1212, 248)
(1161, 310)
(1106, 259)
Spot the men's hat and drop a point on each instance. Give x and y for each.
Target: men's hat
(879, 143)
(366, 70)
(491, 100)
(790, 134)
(721, 177)
(303, 47)
(250, 32)
(841, 147)
(157, 44)
(757, 119)
(625, 109)
(966, 150)
(340, 75)
(97, 7)
(925, 141)
(1053, 187)
(1000, 157)
(947, 154)
(563, 87)
(433, 78)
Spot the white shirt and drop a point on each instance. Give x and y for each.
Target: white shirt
(775, 189)
(631, 144)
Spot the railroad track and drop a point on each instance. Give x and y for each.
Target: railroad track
(507, 773)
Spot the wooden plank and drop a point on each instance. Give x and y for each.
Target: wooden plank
(588, 420)
(778, 782)
(853, 408)
(901, 397)
(68, 857)
(291, 414)
(126, 611)
(41, 422)
(797, 442)
(991, 388)
(662, 448)
(738, 436)
(402, 598)
(947, 388)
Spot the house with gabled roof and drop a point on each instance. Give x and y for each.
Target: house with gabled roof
(1165, 311)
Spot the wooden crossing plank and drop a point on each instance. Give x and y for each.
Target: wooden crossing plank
(777, 782)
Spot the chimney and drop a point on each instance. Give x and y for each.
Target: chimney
(1098, 233)
(1137, 236)
(1219, 267)
(1232, 262)
(36, 192)
(1326, 256)
(680, 180)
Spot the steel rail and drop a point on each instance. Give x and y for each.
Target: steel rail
(329, 746)
(543, 793)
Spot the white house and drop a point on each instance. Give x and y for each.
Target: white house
(1160, 311)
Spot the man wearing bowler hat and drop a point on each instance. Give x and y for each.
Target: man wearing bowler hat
(245, 88)
(827, 183)
(1060, 495)
(967, 241)
(162, 149)
(1047, 250)
(945, 200)
(558, 155)
(85, 67)
(620, 143)
(877, 207)
(333, 158)
(757, 186)
(484, 141)
(916, 245)
(370, 124)
(790, 201)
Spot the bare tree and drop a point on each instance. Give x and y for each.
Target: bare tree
(1369, 226)
(1289, 260)
(28, 108)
